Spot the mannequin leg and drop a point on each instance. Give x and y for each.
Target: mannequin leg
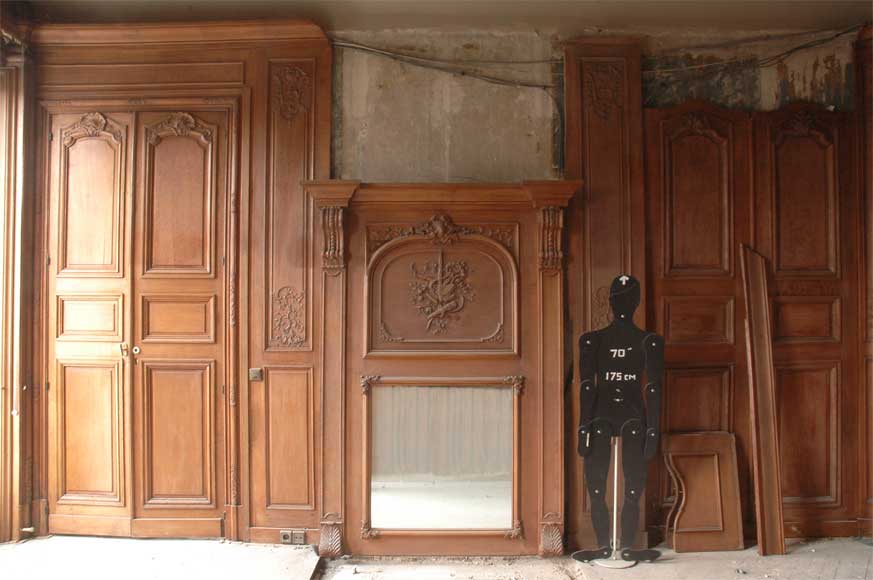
(596, 472)
(634, 468)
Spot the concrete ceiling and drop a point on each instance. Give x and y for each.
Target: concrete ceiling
(563, 16)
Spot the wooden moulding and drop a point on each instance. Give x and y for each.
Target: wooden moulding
(703, 468)
(767, 474)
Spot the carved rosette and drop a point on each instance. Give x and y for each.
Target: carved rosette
(288, 326)
(330, 541)
(517, 382)
(367, 532)
(291, 91)
(179, 125)
(92, 125)
(551, 243)
(332, 256)
(516, 533)
(367, 382)
(441, 230)
(551, 540)
(603, 88)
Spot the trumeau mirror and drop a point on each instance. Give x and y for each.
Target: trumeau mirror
(441, 454)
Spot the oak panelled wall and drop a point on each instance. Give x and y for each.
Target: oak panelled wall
(177, 252)
(784, 183)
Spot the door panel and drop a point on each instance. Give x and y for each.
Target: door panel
(89, 289)
(178, 303)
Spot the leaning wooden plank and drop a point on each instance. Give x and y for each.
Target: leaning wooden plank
(706, 515)
(766, 463)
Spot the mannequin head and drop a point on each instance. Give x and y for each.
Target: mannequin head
(624, 297)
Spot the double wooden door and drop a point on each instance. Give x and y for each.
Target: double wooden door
(136, 307)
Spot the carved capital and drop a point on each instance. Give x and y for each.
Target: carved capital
(333, 253)
(551, 238)
(551, 540)
(367, 381)
(330, 541)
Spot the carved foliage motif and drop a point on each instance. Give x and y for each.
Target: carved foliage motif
(288, 327)
(601, 314)
(440, 230)
(330, 543)
(178, 125)
(603, 88)
(517, 531)
(517, 382)
(551, 250)
(332, 228)
(367, 382)
(92, 125)
(440, 291)
(291, 88)
(367, 532)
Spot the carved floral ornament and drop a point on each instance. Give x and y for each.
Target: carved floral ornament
(92, 125)
(291, 88)
(441, 230)
(440, 291)
(178, 125)
(288, 326)
(603, 88)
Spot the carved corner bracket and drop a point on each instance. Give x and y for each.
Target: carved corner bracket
(367, 381)
(551, 238)
(517, 531)
(517, 383)
(333, 252)
(330, 541)
(367, 532)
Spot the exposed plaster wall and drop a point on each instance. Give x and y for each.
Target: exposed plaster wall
(398, 122)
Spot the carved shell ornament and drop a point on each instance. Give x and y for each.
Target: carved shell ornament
(291, 91)
(179, 125)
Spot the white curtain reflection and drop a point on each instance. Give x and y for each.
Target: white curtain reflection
(442, 457)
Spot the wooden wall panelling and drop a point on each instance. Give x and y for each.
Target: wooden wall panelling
(606, 220)
(864, 116)
(703, 467)
(698, 163)
(766, 445)
(235, 69)
(808, 225)
(522, 225)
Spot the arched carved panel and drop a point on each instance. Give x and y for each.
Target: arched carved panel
(92, 197)
(180, 198)
(442, 288)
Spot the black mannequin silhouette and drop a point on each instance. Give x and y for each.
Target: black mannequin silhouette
(612, 361)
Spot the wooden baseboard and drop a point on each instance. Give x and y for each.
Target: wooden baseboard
(177, 528)
(271, 535)
(118, 526)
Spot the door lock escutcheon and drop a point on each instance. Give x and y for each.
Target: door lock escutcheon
(256, 374)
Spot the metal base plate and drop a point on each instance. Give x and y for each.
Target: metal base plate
(610, 563)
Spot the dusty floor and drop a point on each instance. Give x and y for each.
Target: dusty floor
(844, 559)
(75, 558)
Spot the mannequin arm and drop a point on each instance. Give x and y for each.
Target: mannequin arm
(587, 389)
(653, 346)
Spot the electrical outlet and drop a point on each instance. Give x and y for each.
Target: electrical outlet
(297, 537)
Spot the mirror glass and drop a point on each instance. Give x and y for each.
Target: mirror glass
(442, 457)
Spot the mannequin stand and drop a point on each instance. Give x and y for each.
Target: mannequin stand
(615, 561)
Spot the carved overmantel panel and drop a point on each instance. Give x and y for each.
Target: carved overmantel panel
(442, 288)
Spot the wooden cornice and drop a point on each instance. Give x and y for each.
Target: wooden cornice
(176, 32)
(331, 192)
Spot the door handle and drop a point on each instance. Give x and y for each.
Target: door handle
(136, 350)
(123, 348)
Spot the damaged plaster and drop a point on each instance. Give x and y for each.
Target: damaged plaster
(399, 122)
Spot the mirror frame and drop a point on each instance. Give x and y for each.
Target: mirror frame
(368, 382)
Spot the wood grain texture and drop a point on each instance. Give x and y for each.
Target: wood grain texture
(766, 458)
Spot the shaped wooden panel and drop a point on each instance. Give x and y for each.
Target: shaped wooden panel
(91, 458)
(180, 198)
(808, 399)
(288, 211)
(442, 288)
(178, 439)
(699, 319)
(706, 515)
(799, 319)
(178, 318)
(89, 317)
(804, 197)
(92, 195)
(698, 195)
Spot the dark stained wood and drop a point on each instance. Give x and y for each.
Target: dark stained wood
(706, 515)
(864, 120)
(808, 225)
(606, 221)
(766, 456)
(698, 163)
